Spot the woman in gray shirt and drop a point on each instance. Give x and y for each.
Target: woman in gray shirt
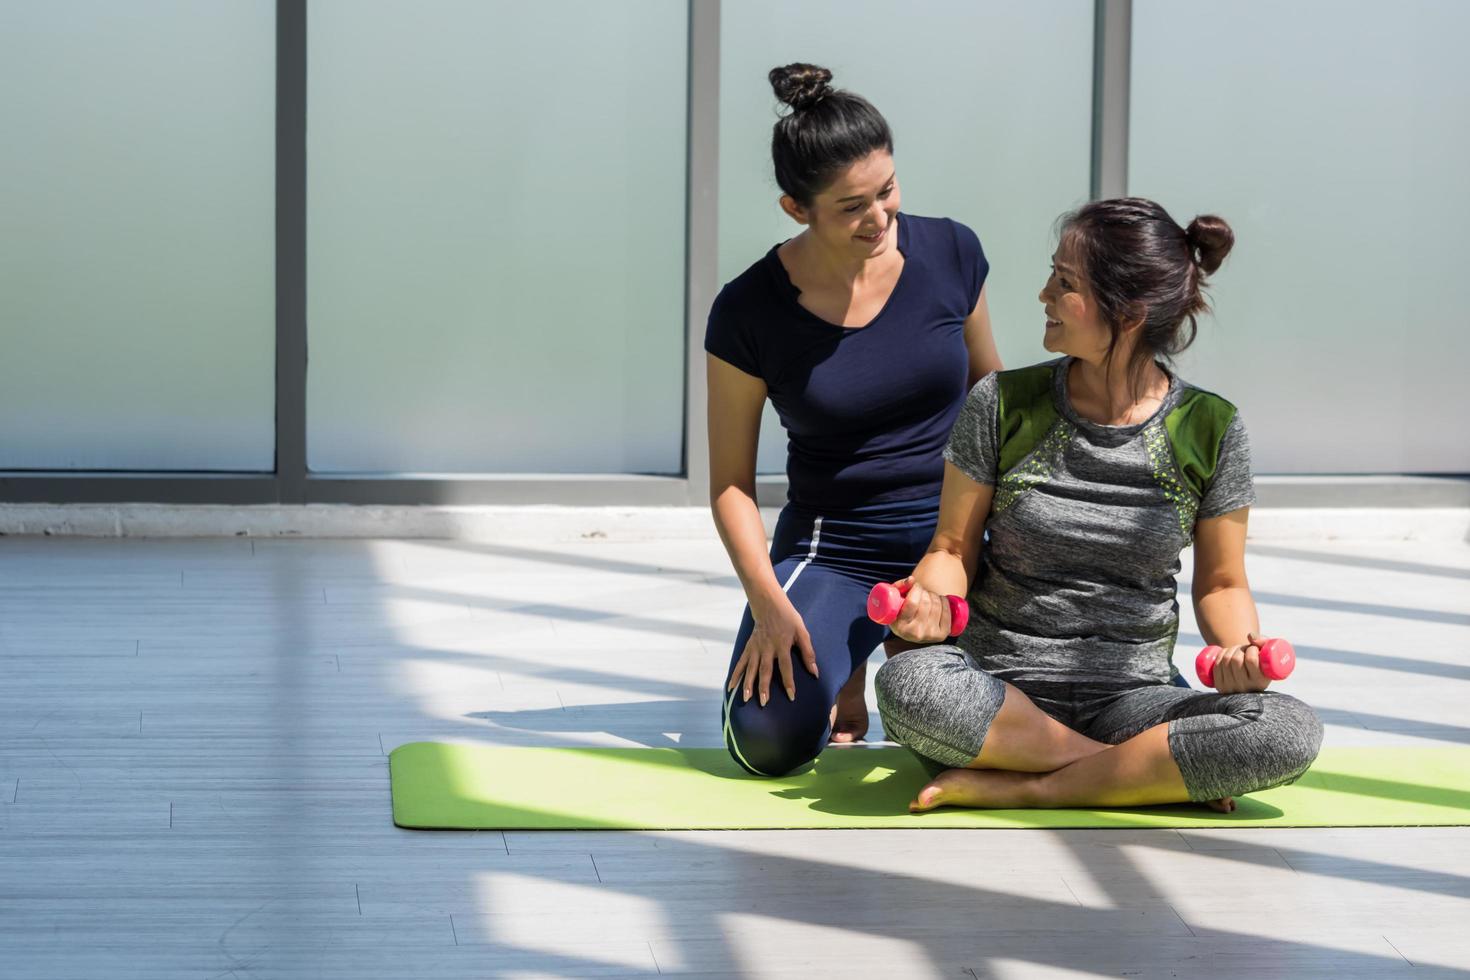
(1091, 473)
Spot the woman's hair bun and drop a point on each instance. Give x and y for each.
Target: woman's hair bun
(800, 86)
(1212, 239)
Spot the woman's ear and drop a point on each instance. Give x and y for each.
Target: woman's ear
(798, 213)
(1134, 323)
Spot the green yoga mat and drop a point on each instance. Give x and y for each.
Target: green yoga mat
(443, 786)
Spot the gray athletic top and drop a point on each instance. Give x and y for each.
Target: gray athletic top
(1076, 586)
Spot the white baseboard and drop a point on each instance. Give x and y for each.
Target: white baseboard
(522, 523)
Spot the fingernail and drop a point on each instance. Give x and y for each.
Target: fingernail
(791, 694)
(747, 694)
(764, 698)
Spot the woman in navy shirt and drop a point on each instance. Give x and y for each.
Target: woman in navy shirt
(865, 331)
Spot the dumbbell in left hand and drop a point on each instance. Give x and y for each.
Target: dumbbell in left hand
(1278, 659)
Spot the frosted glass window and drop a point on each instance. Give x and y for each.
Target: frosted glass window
(137, 235)
(1333, 137)
(991, 109)
(496, 236)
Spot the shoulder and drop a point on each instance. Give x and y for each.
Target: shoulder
(1207, 438)
(1201, 398)
(1040, 369)
(1022, 387)
(1018, 385)
(920, 227)
(734, 331)
(940, 233)
(1201, 417)
(753, 290)
(953, 251)
(1025, 409)
(1015, 391)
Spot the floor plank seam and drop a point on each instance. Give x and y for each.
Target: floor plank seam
(1068, 885)
(1285, 860)
(1397, 950)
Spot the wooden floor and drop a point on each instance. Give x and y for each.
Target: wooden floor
(193, 782)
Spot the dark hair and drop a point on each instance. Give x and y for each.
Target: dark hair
(826, 130)
(1142, 265)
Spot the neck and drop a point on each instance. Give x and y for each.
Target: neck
(839, 266)
(1110, 386)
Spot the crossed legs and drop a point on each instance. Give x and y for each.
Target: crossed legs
(1151, 745)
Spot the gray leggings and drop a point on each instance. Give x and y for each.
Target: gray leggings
(938, 702)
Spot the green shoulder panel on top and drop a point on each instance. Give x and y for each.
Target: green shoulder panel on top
(1026, 412)
(1196, 428)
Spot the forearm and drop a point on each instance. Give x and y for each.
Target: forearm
(738, 520)
(1226, 615)
(942, 570)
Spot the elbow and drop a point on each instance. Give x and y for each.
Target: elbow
(1204, 588)
(724, 490)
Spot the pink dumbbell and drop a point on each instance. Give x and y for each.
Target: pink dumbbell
(1277, 661)
(886, 600)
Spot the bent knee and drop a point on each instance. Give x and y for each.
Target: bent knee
(1277, 743)
(767, 745)
(1295, 733)
(906, 680)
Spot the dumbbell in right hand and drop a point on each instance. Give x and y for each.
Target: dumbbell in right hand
(886, 600)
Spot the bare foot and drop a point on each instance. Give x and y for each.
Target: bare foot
(1225, 804)
(850, 713)
(989, 788)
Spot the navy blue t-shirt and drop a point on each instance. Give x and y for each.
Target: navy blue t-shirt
(867, 410)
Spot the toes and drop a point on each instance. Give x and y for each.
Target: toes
(846, 730)
(929, 797)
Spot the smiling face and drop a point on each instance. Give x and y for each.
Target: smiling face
(854, 215)
(1073, 324)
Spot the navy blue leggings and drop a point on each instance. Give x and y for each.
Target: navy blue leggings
(827, 563)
